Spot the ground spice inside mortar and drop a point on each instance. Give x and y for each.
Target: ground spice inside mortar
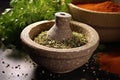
(107, 6)
(77, 40)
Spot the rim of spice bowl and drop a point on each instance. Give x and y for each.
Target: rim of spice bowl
(95, 18)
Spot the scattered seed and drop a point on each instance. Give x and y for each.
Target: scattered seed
(43, 72)
(12, 67)
(26, 74)
(97, 78)
(3, 71)
(8, 65)
(30, 61)
(3, 62)
(16, 67)
(83, 70)
(18, 75)
(22, 73)
(34, 65)
(92, 67)
(51, 75)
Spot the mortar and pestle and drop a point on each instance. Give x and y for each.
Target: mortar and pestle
(59, 60)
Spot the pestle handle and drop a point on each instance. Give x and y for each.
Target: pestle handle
(61, 29)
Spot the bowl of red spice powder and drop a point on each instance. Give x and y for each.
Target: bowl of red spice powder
(102, 15)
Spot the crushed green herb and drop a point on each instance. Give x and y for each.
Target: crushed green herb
(77, 40)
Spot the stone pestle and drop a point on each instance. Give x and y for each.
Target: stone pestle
(61, 29)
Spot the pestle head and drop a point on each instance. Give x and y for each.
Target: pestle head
(62, 18)
(63, 15)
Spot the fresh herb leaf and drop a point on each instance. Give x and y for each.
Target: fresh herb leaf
(25, 12)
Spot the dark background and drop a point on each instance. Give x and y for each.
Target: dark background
(4, 4)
